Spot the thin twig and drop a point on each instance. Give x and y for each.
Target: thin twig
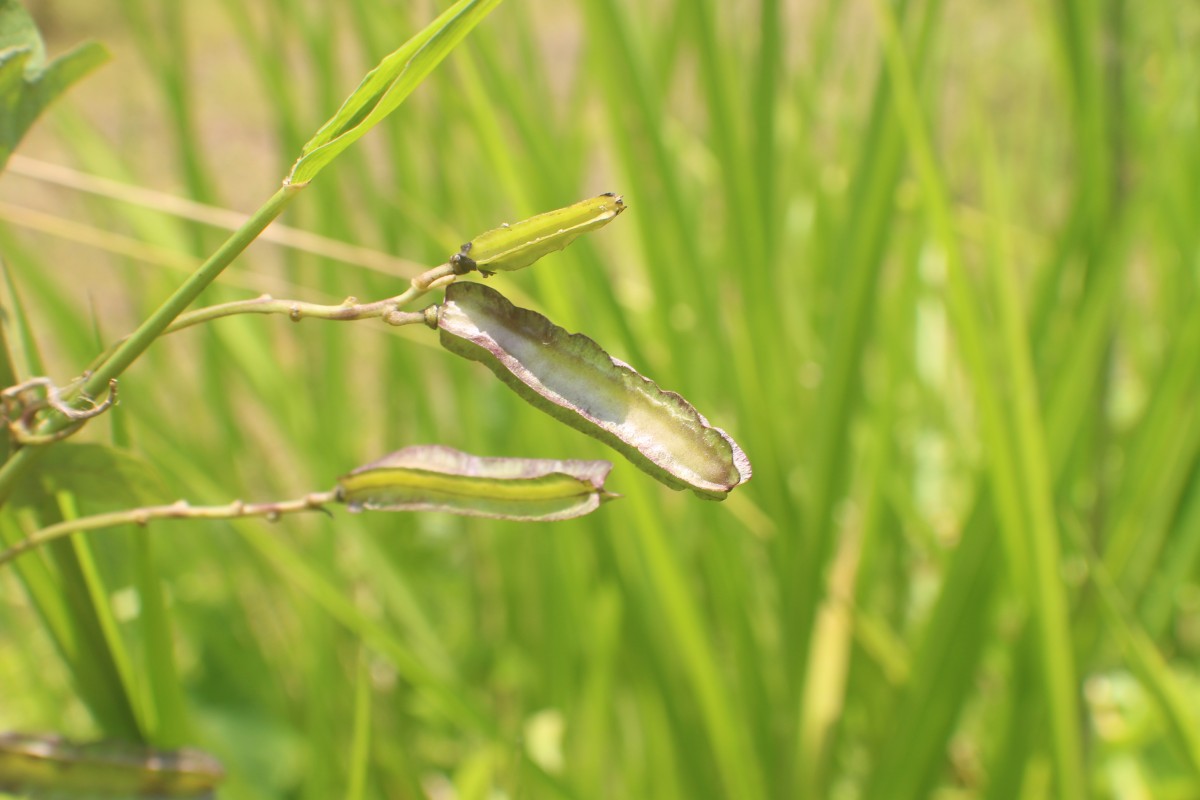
(180, 510)
(297, 310)
(349, 310)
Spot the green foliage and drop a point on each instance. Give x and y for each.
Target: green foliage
(28, 84)
(385, 87)
(935, 268)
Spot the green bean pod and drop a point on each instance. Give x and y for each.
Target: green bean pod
(571, 378)
(437, 478)
(512, 247)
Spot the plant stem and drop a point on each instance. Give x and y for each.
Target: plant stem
(298, 310)
(157, 323)
(181, 510)
(132, 347)
(350, 310)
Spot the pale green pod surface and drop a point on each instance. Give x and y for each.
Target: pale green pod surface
(571, 378)
(437, 478)
(518, 245)
(41, 764)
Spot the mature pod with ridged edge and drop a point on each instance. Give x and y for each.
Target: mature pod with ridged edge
(438, 478)
(515, 246)
(571, 378)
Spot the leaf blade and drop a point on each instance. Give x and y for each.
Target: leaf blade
(27, 88)
(17, 30)
(384, 88)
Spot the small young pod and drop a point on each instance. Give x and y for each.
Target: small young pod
(437, 478)
(511, 247)
(571, 378)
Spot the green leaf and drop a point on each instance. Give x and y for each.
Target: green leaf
(101, 478)
(512, 247)
(571, 378)
(27, 83)
(385, 87)
(71, 480)
(437, 478)
(18, 31)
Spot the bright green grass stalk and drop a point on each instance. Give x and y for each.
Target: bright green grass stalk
(69, 597)
(600, 621)
(82, 582)
(1025, 504)
(860, 244)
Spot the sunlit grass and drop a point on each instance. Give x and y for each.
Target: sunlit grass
(943, 295)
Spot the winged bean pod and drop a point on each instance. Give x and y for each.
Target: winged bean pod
(573, 379)
(437, 478)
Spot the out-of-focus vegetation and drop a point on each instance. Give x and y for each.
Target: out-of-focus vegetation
(935, 265)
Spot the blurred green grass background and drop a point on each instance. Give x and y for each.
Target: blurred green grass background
(934, 265)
